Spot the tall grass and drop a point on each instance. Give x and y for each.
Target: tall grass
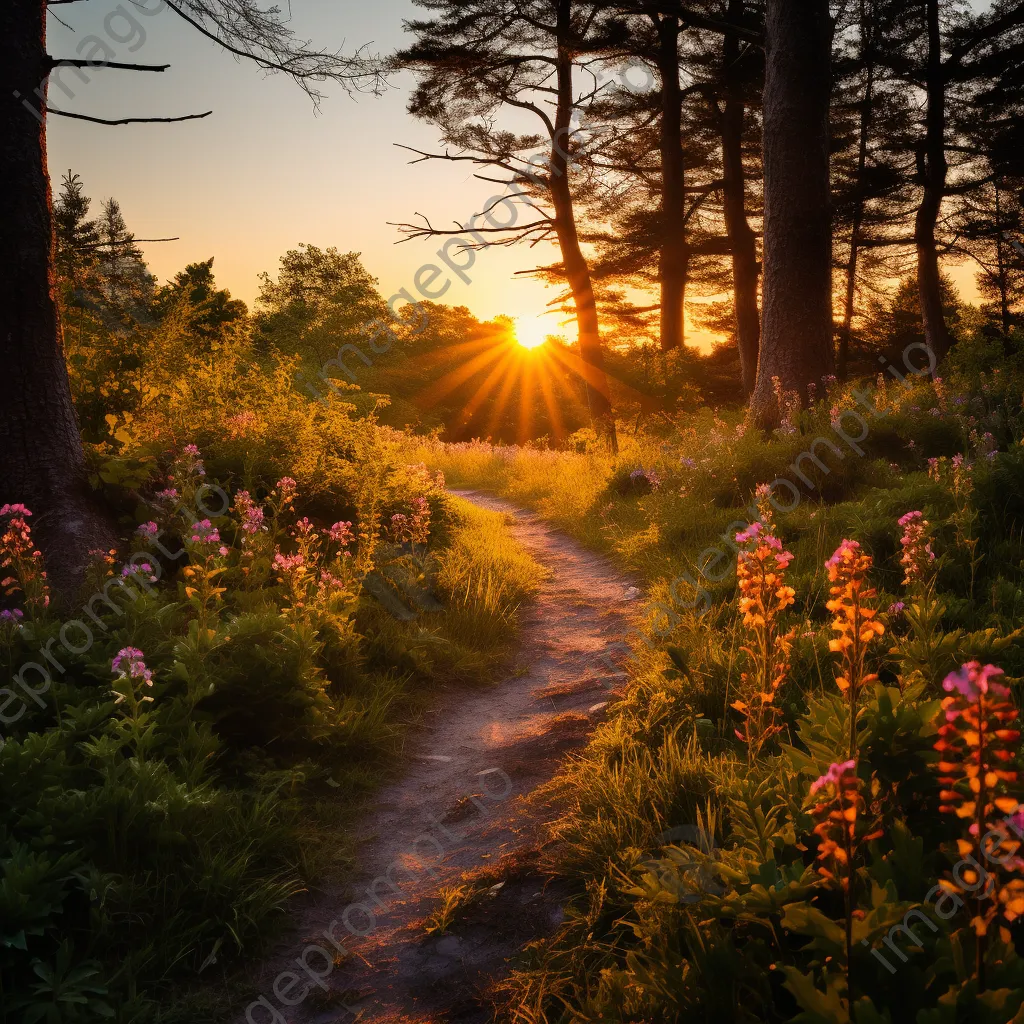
(667, 757)
(484, 576)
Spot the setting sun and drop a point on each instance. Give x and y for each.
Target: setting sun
(530, 332)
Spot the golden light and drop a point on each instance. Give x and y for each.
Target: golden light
(530, 332)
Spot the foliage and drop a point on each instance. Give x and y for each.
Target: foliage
(863, 866)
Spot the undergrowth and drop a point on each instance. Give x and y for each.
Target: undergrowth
(805, 804)
(183, 745)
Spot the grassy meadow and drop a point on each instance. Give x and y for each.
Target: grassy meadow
(736, 853)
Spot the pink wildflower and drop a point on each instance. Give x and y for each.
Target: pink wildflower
(341, 533)
(752, 532)
(972, 680)
(204, 532)
(847, 550)
(249, 512)
(917, 549)
(142, 569)
(836, 773)
(130, 663)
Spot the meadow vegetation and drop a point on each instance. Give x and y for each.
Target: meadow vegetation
(183, 750)
(803, 806)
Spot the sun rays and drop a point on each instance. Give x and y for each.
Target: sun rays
(518, 368)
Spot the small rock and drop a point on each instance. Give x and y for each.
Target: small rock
(632, 593)
(597, 707)
(435, 757)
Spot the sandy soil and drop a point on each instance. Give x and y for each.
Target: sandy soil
(457, 811)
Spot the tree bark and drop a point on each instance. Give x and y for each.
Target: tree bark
(796, 345)
(673, 258)
(42, 464)
(932, 168)
(741, 236)
(1004, 296)
(866, 111)
(577, 271)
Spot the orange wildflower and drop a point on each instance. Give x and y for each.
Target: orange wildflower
(855, 623)
(764, 595)
(977, 742)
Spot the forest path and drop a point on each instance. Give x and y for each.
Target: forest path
(457, 813)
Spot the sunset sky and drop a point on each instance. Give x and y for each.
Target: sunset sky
(265, 172)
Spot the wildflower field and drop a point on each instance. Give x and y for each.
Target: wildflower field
(805, 805)
(181, 753)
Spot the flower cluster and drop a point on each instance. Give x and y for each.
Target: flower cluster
(249, 513)
(760, 568)
(644, 480)
(917, 554)
(789, 407)
(839, 811)
(143, 569)
(419, 521)
(977, 742)
(415, 527)
(287, 563)
(131, 677)
(854, 621)
(341, 534)
(985, 445)
(148, 531)
(193, 463)
(130, 662)
(21, 563)
(204, 532)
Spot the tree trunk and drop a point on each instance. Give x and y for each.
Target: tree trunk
(673, 258)
(1004, 293)
(741, 237)
(796, 345)
(577, 272)
(42, 464)
(866, 112)
(931, 165)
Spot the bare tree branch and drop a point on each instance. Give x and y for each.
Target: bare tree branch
(67, 62)
(244, 29)
(127, 120)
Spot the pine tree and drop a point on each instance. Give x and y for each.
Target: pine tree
(76, 235)
(478, 60)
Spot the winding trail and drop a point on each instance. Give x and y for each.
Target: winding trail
(458, 811)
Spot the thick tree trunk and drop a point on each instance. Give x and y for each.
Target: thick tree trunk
(741, 237)
(932, 170)
(577, 271)
(796, 344)
(866, 111)
(673, 258)
(42, 464)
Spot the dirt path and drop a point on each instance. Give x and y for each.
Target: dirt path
(458, 811)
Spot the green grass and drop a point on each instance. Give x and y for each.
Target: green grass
(147, 869)
(484, 576)
(667, 758)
